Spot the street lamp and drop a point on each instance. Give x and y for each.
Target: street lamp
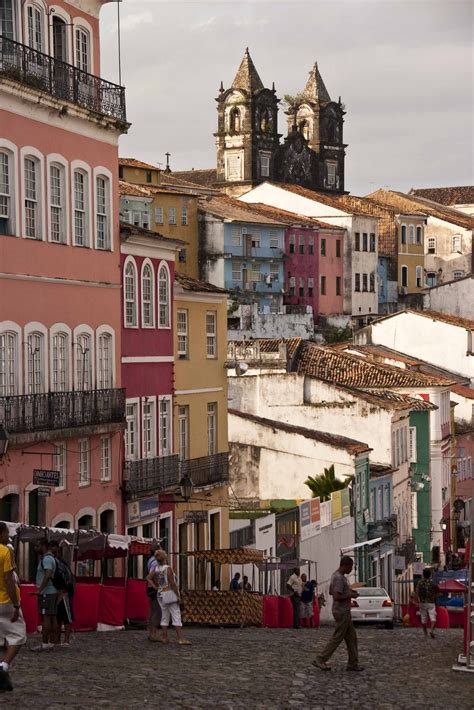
(3, 441)
(443, 523)
(186, 487)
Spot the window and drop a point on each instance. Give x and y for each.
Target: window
(310, 287)
(6, 193)
(357, 241)
(82, 50)
(419, 235)
(131, 431)
(159, 215)
(182, 332)
(411, 234)
(458, 275)
(211, 428)
(256, 244)
(430, 279)
(102, 212)
(164, 297)
(323, 285)
(165, 427)
(456, 243)
(35, 363)
(130, 294)
(264, 165)
(419, 276)
(148, 429)
(35, 28)
(184, 216)
(311, 245)
(275, 272)
(403, 234)
(364, 282)
(235, 238)
(431, 245)
(172, 215)
(80, 208)
(234, 164)
(364, 241)
(182, 256)
(57, 220)
(236, 272)
(338, 248)
(357, 282)
(292, 243)
(183, 433)
(60, 374)
(32, 198)
(323, 247)
(404, 276)
(7, 19)
(274, 241)
(331, 173)
(301, 291)
(83, 362)
(234, 120)
(59, 464)
(84, 463)
(149, 177)
(412, 447)
(301, 244)
(105, 459)
(211, 336)
(372, 282)
(105, 354)
(148, 316)
(8, 364)
(372, 242)
(338, 285)
(292, 285)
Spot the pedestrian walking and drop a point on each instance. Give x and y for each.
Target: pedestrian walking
(12, 623)
(47, 595)
(341, 594)
(65, 583)
(426, 591)
(235, 583)
(306, 606)
(162, 578)
(154, 616)
(295, 585)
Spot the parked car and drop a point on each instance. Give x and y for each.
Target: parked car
(372, 606)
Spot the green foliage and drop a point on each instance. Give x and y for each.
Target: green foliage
(338, 335)
(293, 103)
(326, 483)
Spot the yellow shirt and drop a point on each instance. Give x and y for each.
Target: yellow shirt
(7, 564)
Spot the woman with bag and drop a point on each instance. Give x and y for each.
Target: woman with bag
(163, 580)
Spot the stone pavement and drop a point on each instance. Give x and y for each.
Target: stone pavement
(242, 668)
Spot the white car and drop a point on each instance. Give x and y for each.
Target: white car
(372, 606)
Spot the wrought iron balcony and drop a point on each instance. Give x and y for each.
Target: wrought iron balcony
(64, 81)
(407, 550)
(148, 476)
(61, 410)
(207, 470)
(386, 528)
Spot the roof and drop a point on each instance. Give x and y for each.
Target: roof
(335, 201)
(272, 345)
(432, 209)
(292, 217)
(315, 89)
(466, 323)
(133, 163)
(341, 368)
(126, 188)
(190, 284)
(459, 195)
(130, 230)
(170, 180)
(400, 400)
(352, 446)
(463, 391)
(453, 281)
(160, 189)
(236, 211)
(247, 77)
(202, 176)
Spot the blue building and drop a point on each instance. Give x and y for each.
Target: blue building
(388, 289)
(382, 524)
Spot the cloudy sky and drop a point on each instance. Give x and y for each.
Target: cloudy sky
(403, 68)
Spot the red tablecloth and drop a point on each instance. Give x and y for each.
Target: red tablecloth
(270, 611)
(85, 603)
(29, 606)
(111, 605)
(285, 613)
(136, 600)
(442, 617)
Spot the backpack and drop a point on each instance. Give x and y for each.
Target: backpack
(63, 579)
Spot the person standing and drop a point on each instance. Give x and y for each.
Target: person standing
(426, 591)
(154, 617)
(307, 598)
(164, 582)
(47, 596)
(65, 594)
(234, 583)
(341, 594)
(245, 585)
(295, 585)
(12, 623)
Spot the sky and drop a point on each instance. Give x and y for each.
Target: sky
(403, 68)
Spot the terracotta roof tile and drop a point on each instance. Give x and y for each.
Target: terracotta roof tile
(463, 391)
(202, 176)
(272, 345)
(126, 188)
(352, 446)
(133, 163)
(173, 181)
(466, 323)
(236, 211)
(459, 195)
(190, 284)
(409, 202)
(130, 230)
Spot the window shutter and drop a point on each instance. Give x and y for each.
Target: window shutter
(414, 510)
(412, 444)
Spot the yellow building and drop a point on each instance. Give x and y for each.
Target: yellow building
(173, 211)
(200, 423)
(411, 253)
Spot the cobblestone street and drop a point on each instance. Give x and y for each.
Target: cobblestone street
(234, 668)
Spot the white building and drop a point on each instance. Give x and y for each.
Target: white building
(455, 298)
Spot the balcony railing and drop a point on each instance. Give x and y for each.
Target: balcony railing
(386, 528)
(61, 410)
(148, 476)
(207, 470)
(64, 81)
(407, 550)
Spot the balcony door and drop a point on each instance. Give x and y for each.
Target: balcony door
(60, 54)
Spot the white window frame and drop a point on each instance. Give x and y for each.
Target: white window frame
(60, 464)
(28, 152)
(172, 215)
(130, 293)
(264, 164)
(211, 335)
(456, 243)
(165, 424)
(14, 35)
(236, 272)
(148, 418)
(106, 458)
(147, 265)
(43, 27)
(80, 357)
(85, 169)
(458, 275)
(419, 231)
(35, 328)
(402, 285)
(431, 244)
(212, 428)
(79, 23)
(274, 240)
(412, 446)
(159, 216)
(164, 324)
(411, 234)
(183, 432)
(101, 173)
(105, 330)
(419, 276)
(84, 463)
(134, 417)
(12, 377)
(63, 370)
(58, 161)
(184, 217)
(182, 333)
(11, 151)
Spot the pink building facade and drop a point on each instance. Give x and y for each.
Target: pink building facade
(61, 400)
(147, 267)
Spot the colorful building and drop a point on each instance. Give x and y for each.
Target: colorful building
(60, 396)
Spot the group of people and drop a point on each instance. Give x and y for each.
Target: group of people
(302, 593)
(240, 586)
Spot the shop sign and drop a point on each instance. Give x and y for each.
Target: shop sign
(42, 477)
(195, 516)
(139, 510)
(44, 491)
(310, 518)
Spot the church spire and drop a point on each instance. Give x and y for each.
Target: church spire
(247, 76)
(315, 90)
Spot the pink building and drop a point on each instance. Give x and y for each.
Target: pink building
(60, 302)
(147, 266)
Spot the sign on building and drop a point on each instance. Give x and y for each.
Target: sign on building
(310, 518)
(44, 492)
(139, 510)
(325, 509)
(42, 477)
(195, 516)
(340, 508)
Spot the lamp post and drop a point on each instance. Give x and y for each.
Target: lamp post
(3, 441)
(186, 486)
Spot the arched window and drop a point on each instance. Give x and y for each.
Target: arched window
(83, 361)
(102, 208)
(304, 128)
(35, 363)
(404, 276)
(148, 315)
(264, 120)
(7, 29)
(105, 365)
(35, 18)
(57, 205)
(7, 193)
(234, 120)
(8, 364)
(164, 297)
(60, 363)
(83, 54)
(32, 192)
(81, 193)
(130, 295)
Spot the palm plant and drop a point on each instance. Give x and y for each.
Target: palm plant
(326, 483)
(292, 104)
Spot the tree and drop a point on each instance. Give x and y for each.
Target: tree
(326, 483)
(292, 104)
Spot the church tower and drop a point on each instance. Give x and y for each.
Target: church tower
(247, 132)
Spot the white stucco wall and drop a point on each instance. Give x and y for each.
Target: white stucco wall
(464, 410)
(211, 237)
(276, 325)
(455, 298)
(445, 261)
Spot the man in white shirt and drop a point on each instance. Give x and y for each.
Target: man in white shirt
(295, 584)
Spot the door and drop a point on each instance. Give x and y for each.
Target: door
(60, 72)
